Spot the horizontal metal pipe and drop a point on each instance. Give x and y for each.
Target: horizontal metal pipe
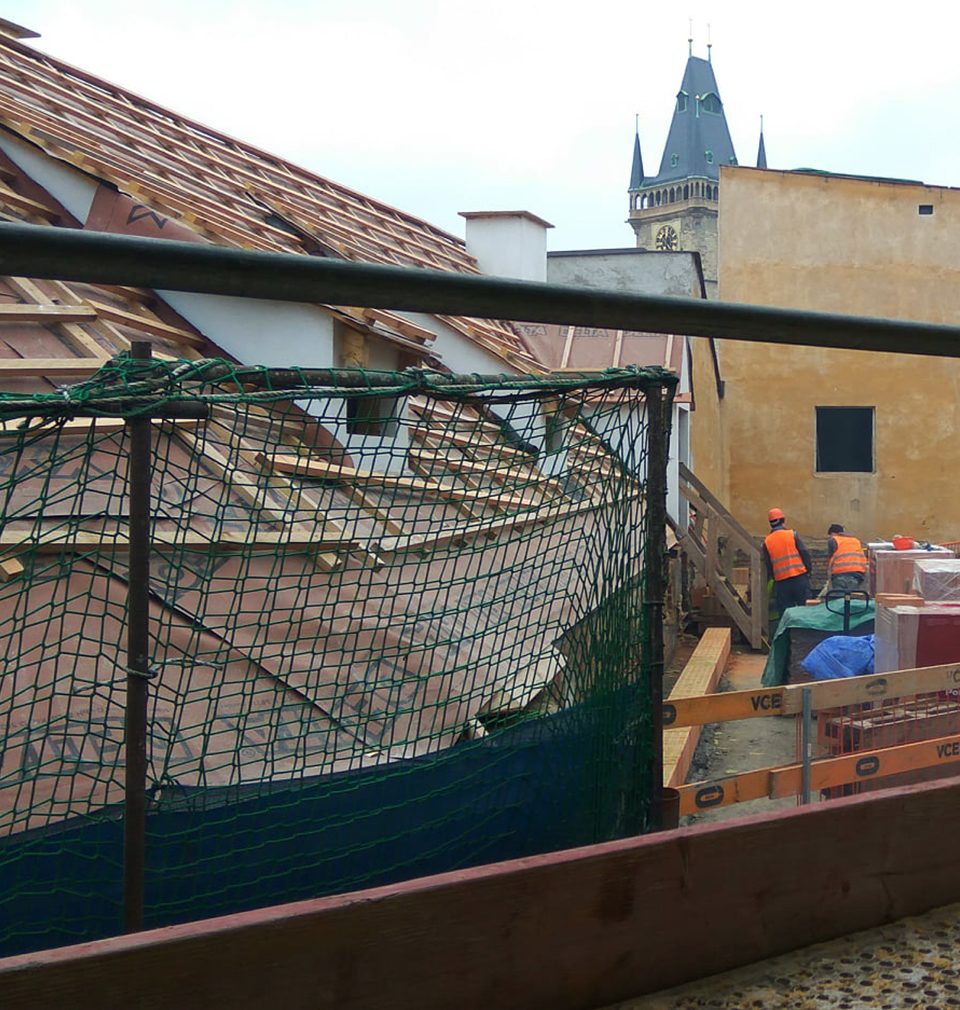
(71, 254)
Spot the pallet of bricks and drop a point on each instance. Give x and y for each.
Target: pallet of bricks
(917, 595)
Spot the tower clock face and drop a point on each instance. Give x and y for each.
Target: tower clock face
(667, 240)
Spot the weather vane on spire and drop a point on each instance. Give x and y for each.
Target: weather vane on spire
(709, 46)
(690, 39)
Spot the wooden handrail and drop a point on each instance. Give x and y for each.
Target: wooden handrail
(701, 543)
(785, 780)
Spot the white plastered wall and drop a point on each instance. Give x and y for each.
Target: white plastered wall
(70, 187)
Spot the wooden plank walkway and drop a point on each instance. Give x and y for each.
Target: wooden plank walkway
(700, 676)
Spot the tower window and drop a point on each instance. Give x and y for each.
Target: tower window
(709, 156)
(674, 160)
(711, 103)
(686, 191)
(845, 439)
(682, 102)
(925, 209)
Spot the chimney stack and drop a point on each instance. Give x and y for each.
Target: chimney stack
(508, 243)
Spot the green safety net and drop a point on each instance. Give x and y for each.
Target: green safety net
(398, 625)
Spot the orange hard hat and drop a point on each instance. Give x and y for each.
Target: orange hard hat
(774, 514)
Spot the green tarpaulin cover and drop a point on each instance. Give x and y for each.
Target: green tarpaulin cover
(813, 618)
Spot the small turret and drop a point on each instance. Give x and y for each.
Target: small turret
(636, 172)
(761, 150)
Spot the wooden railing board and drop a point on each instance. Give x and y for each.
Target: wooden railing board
(824, 694)
(845, 769)
(616, 920)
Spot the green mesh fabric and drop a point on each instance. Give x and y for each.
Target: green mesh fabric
(397, 627)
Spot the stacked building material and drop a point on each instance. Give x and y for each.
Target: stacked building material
(922, 629)
(891, 570)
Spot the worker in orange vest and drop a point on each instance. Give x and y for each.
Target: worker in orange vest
(788, 563)
(847, 568)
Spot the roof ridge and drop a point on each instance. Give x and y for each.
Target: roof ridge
(110, 87)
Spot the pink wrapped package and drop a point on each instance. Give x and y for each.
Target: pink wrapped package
(937, 578)
(891, 571)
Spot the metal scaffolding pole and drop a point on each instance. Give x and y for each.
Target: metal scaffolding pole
(72, 254)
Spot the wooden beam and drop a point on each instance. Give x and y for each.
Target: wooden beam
(57, 540)
(19, 368)
(532, 478)
(30, 291)
(373, 507)
(25, 203)
(421, 433)
(825, 695)
(615, 921)
(10, 568)
(146, 324)
(410, 485)
(462, 531)
(847, 769)
(84, 426)
(700, 675)
(18, 312)
(403, 326)
(729, 706)
(245, 486)
(873, 687)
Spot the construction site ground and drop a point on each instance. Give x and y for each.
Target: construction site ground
(728, 748)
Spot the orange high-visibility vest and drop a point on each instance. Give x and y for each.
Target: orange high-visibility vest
(848, 557)
(786, 561)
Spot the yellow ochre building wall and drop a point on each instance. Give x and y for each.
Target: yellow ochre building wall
(845, 245)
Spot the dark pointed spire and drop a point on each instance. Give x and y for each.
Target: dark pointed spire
(699, 140)
(761, 150)
(636, 172)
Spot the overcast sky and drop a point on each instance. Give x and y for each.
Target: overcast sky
(438, 107)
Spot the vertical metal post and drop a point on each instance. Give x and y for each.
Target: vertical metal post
(806, 752)
(656, 549)
(138, 647)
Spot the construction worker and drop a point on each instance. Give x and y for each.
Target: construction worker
(847, 567)
(788, 562)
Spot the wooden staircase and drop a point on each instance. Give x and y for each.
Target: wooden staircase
(720, 549)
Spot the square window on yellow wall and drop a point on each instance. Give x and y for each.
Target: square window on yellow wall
(844, 439)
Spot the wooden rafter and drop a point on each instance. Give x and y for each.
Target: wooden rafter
(146, 324)
(552, 512)
(530, 479)
(17, 312)
(54, 537)
(413, 485)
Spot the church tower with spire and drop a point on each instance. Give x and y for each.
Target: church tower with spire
(677, 209)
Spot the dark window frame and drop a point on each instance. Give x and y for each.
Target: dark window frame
(373, 416)
(845, 439)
